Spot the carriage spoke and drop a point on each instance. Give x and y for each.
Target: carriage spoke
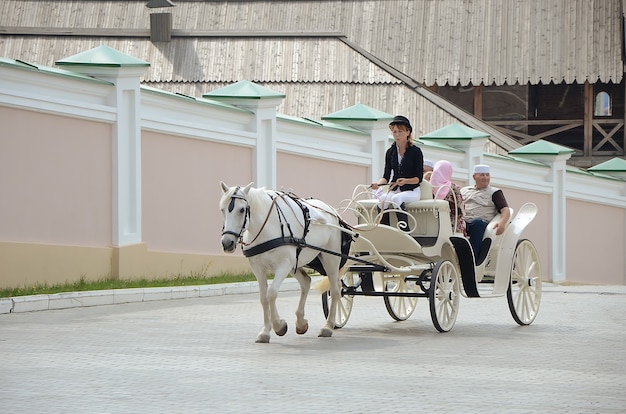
(524, 292)
(444, 296)
(344, 302)
(400, 308)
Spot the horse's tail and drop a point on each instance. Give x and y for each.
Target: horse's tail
(323, 285)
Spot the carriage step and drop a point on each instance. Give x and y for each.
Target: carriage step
(354, 292)
(368, 268)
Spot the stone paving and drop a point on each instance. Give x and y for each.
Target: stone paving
(197, 355)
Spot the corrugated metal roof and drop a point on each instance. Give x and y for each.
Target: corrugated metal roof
(328, 55)
(454, 41)
(216, 59)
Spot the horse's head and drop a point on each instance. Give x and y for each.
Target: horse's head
(235, 213)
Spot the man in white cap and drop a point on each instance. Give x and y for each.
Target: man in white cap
(482, 204)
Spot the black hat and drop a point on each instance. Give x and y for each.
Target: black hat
(401, 120)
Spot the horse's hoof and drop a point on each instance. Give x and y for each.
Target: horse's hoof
(325, 333)
(283, 329)
(263, 339)
(302, 330)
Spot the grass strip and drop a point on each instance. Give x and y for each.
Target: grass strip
(106, 284)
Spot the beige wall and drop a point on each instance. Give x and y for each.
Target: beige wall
(538, 230)
(595, 228)
(27, 264)
(55, 175)
(55, 205)
(181, 192)
(330, 181)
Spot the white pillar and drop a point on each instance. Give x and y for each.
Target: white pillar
(558, 214)
(126, 151)
(263, 103)
(555, 156)
(265, 153)
(124, 72)
(471, 141)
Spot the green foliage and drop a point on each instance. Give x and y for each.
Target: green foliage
(105, 284)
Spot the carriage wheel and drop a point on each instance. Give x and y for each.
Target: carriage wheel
(344, 305)
(524, 293)
(400, 307)
(443, 295)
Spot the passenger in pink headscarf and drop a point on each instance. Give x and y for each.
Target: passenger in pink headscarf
(445, 189)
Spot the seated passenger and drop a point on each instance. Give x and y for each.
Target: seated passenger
(482, 204)
(405, 161)
(445, 189)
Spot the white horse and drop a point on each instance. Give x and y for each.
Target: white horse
(281, 234)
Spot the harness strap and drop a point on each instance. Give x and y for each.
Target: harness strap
(272, 244)
(301, 243)
(307, 222)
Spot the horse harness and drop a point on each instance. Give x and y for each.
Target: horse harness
(287, 239)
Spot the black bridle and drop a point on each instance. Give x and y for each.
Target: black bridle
(231, 207)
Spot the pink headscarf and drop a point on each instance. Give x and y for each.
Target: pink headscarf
(442, 173)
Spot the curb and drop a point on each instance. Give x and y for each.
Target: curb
(66, 300)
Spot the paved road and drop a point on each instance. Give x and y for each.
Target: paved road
(198, 356)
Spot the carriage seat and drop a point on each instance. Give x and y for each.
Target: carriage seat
(426, 212)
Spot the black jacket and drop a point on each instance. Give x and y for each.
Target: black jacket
(412, 165)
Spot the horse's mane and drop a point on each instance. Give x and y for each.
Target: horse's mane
(259, 202)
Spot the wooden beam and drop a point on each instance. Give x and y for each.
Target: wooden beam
(104, 32)
(608, 137)
(588, 120)
(525, 122)
(478, 101)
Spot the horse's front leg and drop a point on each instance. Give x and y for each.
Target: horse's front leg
(264, 334)
(302, 325)
(279, 325)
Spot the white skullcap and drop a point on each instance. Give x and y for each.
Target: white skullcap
(481, 169)
(429, 163)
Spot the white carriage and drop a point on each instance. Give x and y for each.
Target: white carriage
(434, 261)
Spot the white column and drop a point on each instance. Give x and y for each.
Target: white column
(264, 125)
(126, 171)
(263, 103)
(265, 152)
(126, 150)
(124, 72)
(558, 214)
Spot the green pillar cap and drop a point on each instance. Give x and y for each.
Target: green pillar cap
(455, 131)
(358, 112)
(244, 90)
(613, 165)
(103, 56)
(542, 147)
